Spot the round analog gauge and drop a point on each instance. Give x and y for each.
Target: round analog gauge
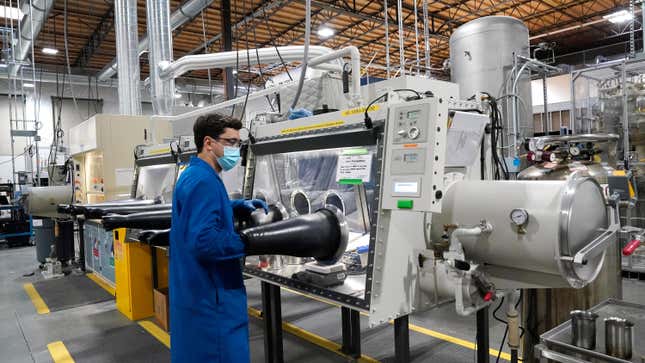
(540, 144)
(520, 217)
(574, 150)
(532, 145)
(551, 157)
(413, 133)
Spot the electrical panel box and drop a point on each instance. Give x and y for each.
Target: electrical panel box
(415, 156)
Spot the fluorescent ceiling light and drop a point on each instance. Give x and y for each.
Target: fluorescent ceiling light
(50, 51)
(10, 13)
(618, 17)
(28, 85)
(178, 95)
(3, 65)
(325, 32)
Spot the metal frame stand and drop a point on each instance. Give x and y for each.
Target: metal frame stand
(272, 314)
(483, 335)
(351, 323)
(81, 243)
(402, 339)
(154, 266)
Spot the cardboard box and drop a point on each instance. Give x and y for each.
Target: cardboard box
(161, 308)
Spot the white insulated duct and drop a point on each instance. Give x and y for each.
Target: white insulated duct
(127, 54)
(160, 35)
(178, 18)
(30, 26)
(322, 56)
(229, 59)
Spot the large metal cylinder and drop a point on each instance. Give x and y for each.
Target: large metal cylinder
(563, 218)
(43, 201)
(482, 57)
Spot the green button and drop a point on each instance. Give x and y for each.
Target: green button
(405, 203)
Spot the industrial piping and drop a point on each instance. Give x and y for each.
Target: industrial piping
(30, 27)
(178, 18)
(127, 54)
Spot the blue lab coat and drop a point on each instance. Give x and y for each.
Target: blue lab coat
(208, 311)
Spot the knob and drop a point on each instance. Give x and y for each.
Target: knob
(414, 133)
(402, 133)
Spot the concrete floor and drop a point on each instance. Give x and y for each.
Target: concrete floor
(88, 330)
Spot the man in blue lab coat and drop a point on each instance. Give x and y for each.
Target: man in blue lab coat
(208, 311)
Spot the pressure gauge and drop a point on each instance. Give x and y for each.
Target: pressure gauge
(520, 217)
(414, 133)
(540, 144)
(574, 150)
(532, 146)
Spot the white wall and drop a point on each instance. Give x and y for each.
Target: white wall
(558, 90)
(39, 102)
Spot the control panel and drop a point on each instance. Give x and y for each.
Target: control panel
(415, 156)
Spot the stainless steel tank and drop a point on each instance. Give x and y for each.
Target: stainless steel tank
(481, 59)
(562, 171)
(43, 201)
(563, 218)
(545, 309)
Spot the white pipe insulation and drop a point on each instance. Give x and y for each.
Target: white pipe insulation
(179, 17)
(30, 26)
(127, 39)
(322, 57)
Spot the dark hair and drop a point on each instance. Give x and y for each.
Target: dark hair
(212, 125)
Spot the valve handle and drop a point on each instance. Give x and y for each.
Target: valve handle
(631, 247)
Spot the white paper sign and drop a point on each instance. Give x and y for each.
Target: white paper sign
(354, 167)
(123, 176)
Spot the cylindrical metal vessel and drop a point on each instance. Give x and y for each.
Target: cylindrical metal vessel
(481, 59)
(563, 218)
(43, 201)
(562, 171)
(619, 337)
(583, 329)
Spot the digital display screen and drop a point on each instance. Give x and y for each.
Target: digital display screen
(410, 158)
(413, 114)
(406, 187)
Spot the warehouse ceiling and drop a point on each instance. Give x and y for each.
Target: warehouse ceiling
(572, 27)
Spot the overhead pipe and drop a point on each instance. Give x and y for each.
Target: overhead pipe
(127, 55)
(30, 26)
(230, 59)
(323, 56)
(160, 33)
(179, 17)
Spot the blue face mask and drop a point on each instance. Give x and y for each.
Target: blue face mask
(230, 158)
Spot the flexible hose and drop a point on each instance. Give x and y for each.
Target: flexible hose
(305, 61)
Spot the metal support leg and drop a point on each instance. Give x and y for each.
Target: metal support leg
(402, 339)
(81, 244)
(483, 338)
(272, 314)
(155, 273)
(351, 332)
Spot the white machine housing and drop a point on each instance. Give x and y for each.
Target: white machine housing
(569, 225)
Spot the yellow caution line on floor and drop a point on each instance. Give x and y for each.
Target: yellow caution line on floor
(453, 340)
(59, 352)
(418, 329)
(313, 338)
(156, 332)
(101, 282)
(39, 303)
